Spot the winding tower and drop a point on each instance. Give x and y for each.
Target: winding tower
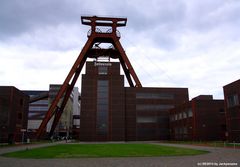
(103, 32)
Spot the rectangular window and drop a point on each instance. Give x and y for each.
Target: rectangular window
(184, 115)
(102, 70)
(153, 107)
(102, 107)
(232, 100)
(146, 119)
(185, 130)
(176, 130)
(21, 102)
(41, 102)
(176, 117)
(154, 96)
(180, 116)
(19, 116)
(190, 114)
(38, 108)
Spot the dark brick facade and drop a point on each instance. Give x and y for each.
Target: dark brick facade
(116, 112)
(232, 107)
(201, 119)
(13, 114)
(131, 113)
(147, 116)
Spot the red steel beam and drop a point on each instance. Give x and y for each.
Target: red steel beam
(63, 88)
(126, 60)
(66, 97)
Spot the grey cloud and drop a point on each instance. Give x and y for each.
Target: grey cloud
(17, 17)
(209, 15)
(163, 21)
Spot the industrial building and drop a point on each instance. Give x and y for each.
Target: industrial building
(109, 111)
(232, 108)
(112, 112)
(72, 108)
(38, 107)
(13, 114)
(201, 119)
(37, 111)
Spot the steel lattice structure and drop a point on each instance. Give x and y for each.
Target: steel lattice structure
(91, 50)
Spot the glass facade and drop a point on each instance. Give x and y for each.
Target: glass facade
(102, 107)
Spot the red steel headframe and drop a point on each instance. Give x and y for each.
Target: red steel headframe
(95, 36)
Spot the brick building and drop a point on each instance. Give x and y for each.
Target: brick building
(112, 112)
(203, 118)
(232, 108)
(13, 114)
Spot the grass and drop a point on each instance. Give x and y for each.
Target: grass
(103, 150)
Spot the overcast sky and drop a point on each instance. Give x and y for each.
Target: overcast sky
(170, 43)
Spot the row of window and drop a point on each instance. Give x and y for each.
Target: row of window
(180, 130)
(153, 107)
(182, 115)
(36, 115)
(151, 119)
(144, 95)
(146, 119)
(40, 102)
(38, 108)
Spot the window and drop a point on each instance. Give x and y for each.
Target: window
(42, 102)
(38, 108)
(102, 107)
(180, 116)
(184, 115)
(102, 70)
(153, 107)
(154, 96)
(232, 100)
(19, 116)
(185, 130)
(221, 110)
(172, 118)
(190, 114)
(146, 119)
(176, 130)
(21, 102)
(176, 117)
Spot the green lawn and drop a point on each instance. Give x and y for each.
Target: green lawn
(103, 150)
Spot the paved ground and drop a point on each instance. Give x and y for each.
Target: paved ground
(216, 157)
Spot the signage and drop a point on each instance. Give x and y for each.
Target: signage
(102, 64)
